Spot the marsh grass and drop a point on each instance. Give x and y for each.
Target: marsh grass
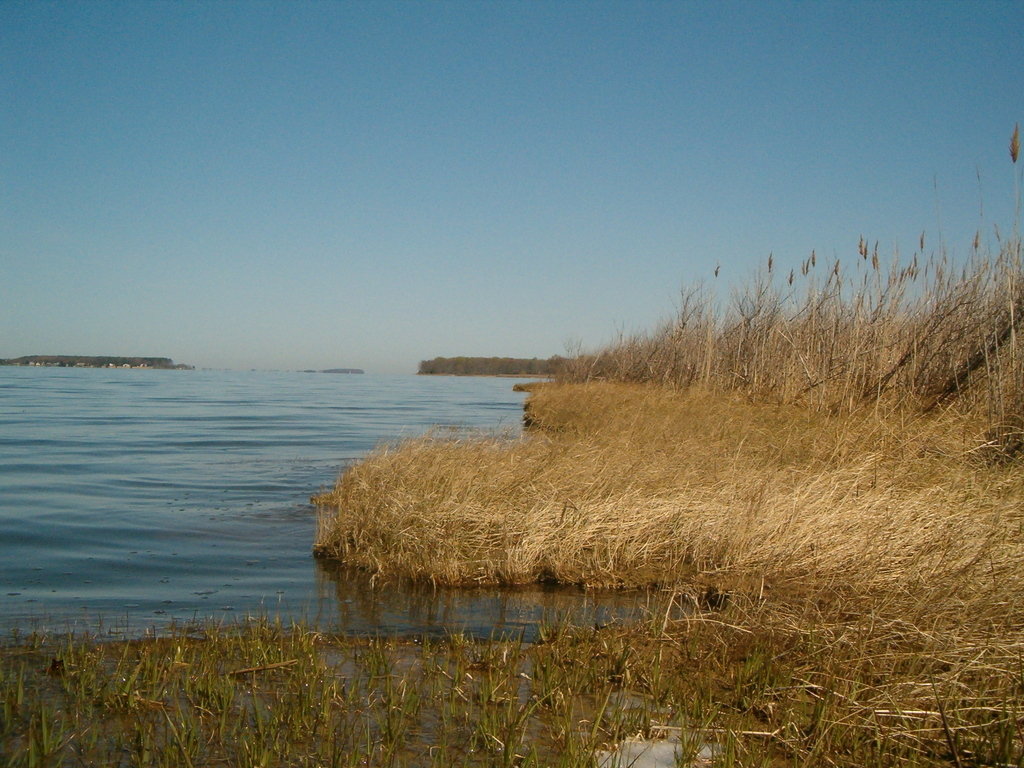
(847, 431)
(854, 581)
(765, 685)
(825, 474)
(628, 485)
(841, 336)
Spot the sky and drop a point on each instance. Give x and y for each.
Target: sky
(290, 185)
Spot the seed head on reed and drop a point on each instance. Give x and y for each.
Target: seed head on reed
(1015, 143)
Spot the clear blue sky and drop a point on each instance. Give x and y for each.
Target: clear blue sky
(294, 184)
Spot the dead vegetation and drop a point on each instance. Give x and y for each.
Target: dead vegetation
(825, 467)
(627, 485)
(917, 336)
(848, 428)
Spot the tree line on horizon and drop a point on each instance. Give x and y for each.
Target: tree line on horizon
(491, 366)
(94, 361)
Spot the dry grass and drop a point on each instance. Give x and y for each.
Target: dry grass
(848, 427)
(626, 485)
(824, 468)
(855, 580)
(843, 336)
(871, 562)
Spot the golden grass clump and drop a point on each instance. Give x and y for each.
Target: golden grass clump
(627, 485)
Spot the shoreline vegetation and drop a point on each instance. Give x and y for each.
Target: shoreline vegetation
(823, 472)
(825, 467)
(86, 361)
(491, 366)
(856, 429)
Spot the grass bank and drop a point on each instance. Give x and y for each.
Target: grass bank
(850, 430)
(627, 485)
(825, 469)
(831, 457)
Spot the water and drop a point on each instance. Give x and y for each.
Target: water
(133, 498)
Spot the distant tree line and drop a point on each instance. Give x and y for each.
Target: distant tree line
(491, 366)
(89, 361)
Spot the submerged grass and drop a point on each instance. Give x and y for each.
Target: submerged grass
(750, 685)
(262, 694)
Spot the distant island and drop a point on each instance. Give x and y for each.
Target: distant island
(491, 366)
(85, 361)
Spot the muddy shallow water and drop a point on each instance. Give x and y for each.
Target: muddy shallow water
(134, 498)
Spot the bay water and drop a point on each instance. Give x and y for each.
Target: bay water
(130, 499)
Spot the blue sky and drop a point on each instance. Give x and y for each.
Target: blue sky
(293, 185)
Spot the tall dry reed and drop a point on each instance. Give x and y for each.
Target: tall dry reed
(848, 429)
(923, 334)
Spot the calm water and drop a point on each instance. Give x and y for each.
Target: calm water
(131, 498)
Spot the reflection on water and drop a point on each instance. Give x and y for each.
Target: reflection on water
(405, 608)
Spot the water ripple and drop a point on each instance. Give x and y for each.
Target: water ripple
(135, 495)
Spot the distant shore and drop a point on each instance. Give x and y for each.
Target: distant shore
(491, 366)
(86, 361)
(491, 375)
(335, 370)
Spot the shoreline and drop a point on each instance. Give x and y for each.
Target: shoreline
(828, 562)
(492, 375)
(628, 485)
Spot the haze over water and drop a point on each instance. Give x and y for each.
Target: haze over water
(138, 497)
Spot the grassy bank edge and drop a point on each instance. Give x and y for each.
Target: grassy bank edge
(627, 485)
